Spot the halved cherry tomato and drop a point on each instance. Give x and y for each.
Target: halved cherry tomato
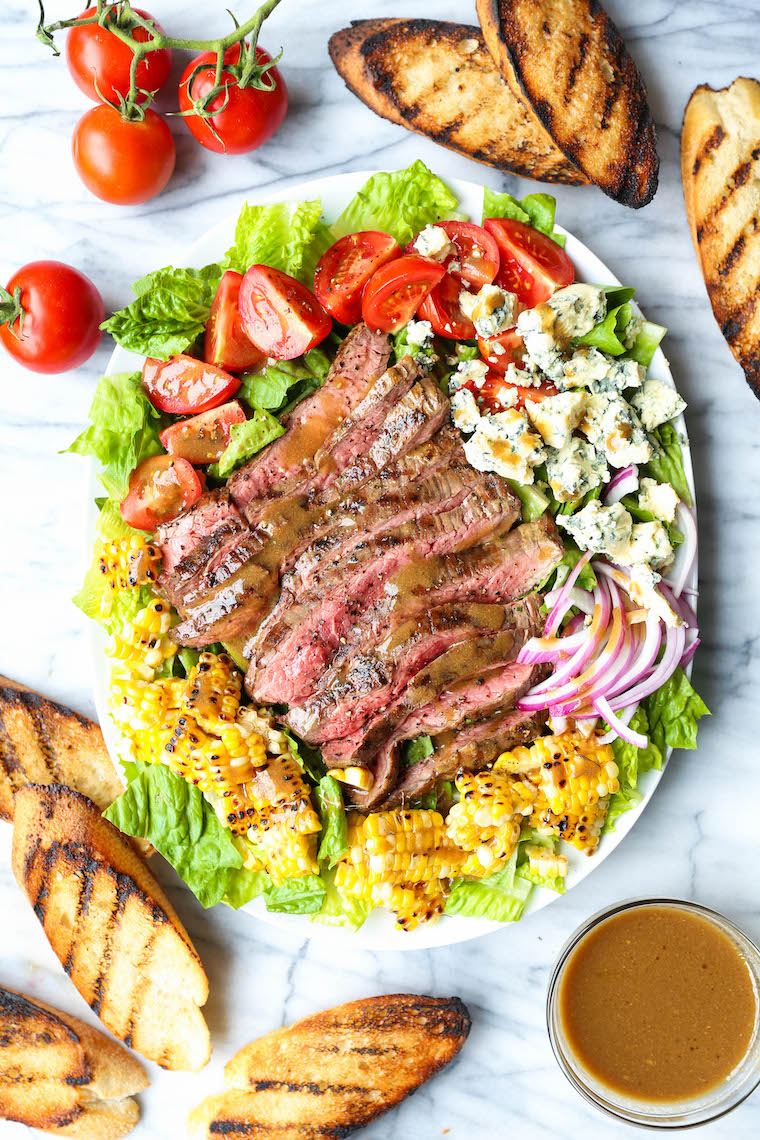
(159, 488)
(475, 250)
(203, 438)
(441, 308)
(225, 344)
(343, 272)
(183, 385)
(502, 350)
(280, 315)
(493, 386)
(395, 292)
(531, 264)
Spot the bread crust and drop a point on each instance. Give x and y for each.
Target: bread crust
(720, 172)
(568, 62)
(438, 80)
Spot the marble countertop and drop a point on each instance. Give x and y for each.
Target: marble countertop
(699, 836)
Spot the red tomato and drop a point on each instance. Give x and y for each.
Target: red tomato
(121, 161)
(502, 350)
(395, 292)
(279, 314)
(242, 117)
(99, 61)
(159, 488)
(531, 264)
(183, 385)
(441, 308)
(203, 438)
(225, 344)
(474, 249)
(62, 311)
(494, 384)
(345, 269)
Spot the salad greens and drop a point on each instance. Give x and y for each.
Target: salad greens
(167, 316)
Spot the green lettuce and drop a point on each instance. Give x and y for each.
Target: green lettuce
(400, 203)
(173, 815)
(535, 210)
(609, 335)
(534, 500)
(244, 885)
(123, 430)
(416, 750)
(667, 465)
(309, 758)
(334, 842)
(339, 908)
(500, 897)
(246, 439)
(534, 838)
(285, 382)
(632, 762)
(288, 236)
(169, 312)
(674, 711)
(646, 343)
(303, 895)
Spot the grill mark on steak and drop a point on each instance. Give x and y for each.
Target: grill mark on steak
(288, 463)
(471, 748)
(298, 643)
(422, 412)
(180, 537)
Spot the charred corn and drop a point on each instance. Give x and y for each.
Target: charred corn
(353, 777)
(545, 862)
(146, 712)
(412, 903)
(286, 853)
(213, 691)
(143, 644)
(128, 562)
(403, 847)
(486, 821)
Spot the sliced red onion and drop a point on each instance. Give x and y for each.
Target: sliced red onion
(624, 482)
(644, 659)
(689, 653)
(675, 639)
(594, 638)
(625, 717)
(558, 612)
(623, 730)
(687, 553)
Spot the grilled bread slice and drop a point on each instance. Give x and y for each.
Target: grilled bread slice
(110, 923)
(438, 79)
(335, 1071)
(720, 169)
(42, 742)
(568, 61)
(62, 1076)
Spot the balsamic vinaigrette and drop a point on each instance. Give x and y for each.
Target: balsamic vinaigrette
(658, 1004)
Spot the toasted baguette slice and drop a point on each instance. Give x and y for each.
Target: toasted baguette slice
(42, 742)
(438, 79)
(110, 923)
(720, 169)
(335, 1071)
(570, 64)
(62, 1076)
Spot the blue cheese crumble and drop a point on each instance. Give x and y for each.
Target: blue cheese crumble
(660, 499)
(548, 328)
(555, 418)
(465, 413)
(613, 427)
(491, 310)
(434, 242)
(657, 403)
(468, 372)
(574, 470)
(605, 530)
(504, 443)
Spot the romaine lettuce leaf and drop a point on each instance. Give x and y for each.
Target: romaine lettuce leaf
(123, 431)
(645, 345)
(303, 895)
(667, 466)
(608, 335)
(673, 713)
(535, 838)
(500, 897)
(400, 203)
(246, 439)
(334, 842)
(415, 750)
(280, 235)
(535, 210)
(173, 815)
(309, 757)
(245, 885)
(169, 312)
(340, 908)
(296, 379)
(534, 501)
(632, 762)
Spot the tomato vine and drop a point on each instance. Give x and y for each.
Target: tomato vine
(121, 19)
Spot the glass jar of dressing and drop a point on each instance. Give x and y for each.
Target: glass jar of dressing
(654, 1014)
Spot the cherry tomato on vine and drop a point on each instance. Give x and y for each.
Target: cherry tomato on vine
(99, 61)
(62, 311)
(345, 269)
(242, 118)
(121, 160)
(159, 488)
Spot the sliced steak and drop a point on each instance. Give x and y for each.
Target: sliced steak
(471, 748)
(229, 598)
(289, 461)
(180, 537)
(363, 688)
(422, 412)
(293, 648)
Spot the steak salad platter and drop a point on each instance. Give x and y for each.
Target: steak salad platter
(395, 563)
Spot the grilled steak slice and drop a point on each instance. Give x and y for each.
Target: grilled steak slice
(356, 433)
(293, 648)
(422, 412)
(180, 537)
(364, 688)
(230, 598)
(288, 461)
(471, 748)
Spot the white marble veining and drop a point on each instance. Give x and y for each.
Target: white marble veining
(699, 837)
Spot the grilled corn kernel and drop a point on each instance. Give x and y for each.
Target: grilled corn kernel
(213, 691)
(546, 862)
(128, 562)
(487, 819)
(143, 644)
(354, 777)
